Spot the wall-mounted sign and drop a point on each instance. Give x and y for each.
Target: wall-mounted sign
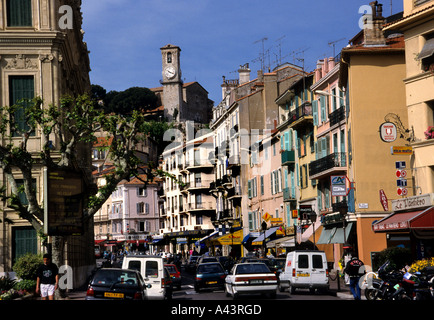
(63, 202)
(383, 200)
(388, 132)
(396, 150)
(338, 186)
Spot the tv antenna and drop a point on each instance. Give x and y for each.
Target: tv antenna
(333, 43)
(262, 56)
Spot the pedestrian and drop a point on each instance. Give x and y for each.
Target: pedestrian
(354, 270)
(47, 279)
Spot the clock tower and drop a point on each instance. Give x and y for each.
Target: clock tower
(172, 83)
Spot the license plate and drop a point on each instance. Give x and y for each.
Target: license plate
(303, 274)
(211, 282)
(256, 281)
(113, 295)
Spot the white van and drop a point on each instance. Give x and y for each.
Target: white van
(152, 271)
(305, 269)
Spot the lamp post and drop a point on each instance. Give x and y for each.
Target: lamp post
(264, 228)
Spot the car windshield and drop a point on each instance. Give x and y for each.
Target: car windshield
(252, 268)
(171, 269)
(114, 277)
(210, 268)
(279, 263)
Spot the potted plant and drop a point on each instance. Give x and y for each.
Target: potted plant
(429, 133)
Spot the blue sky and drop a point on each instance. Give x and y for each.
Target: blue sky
(216, 36)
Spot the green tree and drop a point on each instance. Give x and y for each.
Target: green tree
(129, 100)
(74, 124)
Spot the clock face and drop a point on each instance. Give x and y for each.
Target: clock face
(170, 72)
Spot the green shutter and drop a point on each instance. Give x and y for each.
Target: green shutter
(25, 241)
(315, 112)
(19, 13)
(287, 146)
(21, 87)
(249, 188)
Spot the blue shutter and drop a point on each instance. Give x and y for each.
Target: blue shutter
(287, 146)
(315, 112)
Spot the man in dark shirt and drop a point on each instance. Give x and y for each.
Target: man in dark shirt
(47, 279)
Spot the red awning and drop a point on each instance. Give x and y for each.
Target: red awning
(405, 221)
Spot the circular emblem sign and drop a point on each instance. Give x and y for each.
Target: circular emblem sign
(388, 132)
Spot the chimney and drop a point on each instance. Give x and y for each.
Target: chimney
(244, 73)
(373, 34)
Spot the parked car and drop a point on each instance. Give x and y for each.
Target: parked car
(152, 271)
(204, 259)
(226, 262)
(209, 275)
(305, 269)
(278, 266)
(167, 284)
(250, 278)
(190, 266)
(116, 284)
(175, 274)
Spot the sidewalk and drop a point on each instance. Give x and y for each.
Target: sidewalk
(344, 290)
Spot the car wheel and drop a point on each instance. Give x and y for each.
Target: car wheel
(291, 289)
(196, 288)
(281, 289)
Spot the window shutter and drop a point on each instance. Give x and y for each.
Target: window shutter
(21, 87)
(315, 112)
(287, 145)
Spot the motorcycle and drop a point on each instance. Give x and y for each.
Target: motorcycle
(387, 285)
(399, 285)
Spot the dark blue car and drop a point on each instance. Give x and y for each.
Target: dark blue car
(209, 275)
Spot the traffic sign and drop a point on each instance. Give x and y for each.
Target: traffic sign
(401, 173)
(401, 183)
(400, 164)
(402, 191)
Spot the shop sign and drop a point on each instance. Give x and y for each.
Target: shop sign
(397, 150)
(416, 202)
(388, 132)
(383, 200)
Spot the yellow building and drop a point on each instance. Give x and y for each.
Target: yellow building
(418, 28)
(372, 69)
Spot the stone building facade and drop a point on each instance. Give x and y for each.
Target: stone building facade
(42, 53)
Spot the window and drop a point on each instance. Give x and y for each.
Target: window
(169, 57)
(21, 90)
(151, 269)
(317, 261)
(303, 261)
(262, 185)
(19, 13)
(426, 56)
(21, 194)
(141, 191)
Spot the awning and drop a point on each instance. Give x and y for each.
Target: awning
(157, 240)
(260, 239)
(335, 234)
(338, 236)
(212, 234)
(326, 235)
(281, 242)
(230, 238)
(406, 221)
(250, 237)
(427, 50)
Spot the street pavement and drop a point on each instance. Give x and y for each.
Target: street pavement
(343, 292)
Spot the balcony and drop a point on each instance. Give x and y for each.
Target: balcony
(199, 185)
(288, 157)
(301, 116)
(234, 162)
(202, 206)
(198, 165)
(337, 116)
(333, 163)
(289, 194)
